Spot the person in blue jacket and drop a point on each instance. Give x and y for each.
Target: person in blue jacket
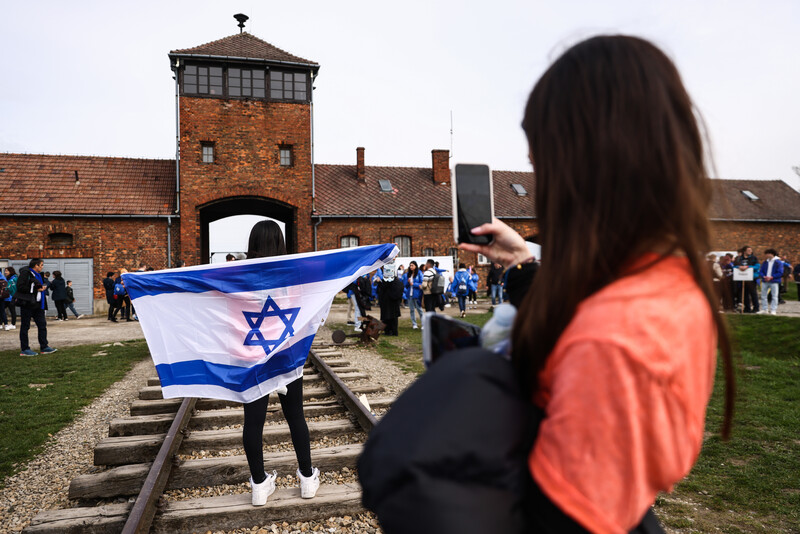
(473, 288)
(462, 281)
(412, 281)
(771, 276)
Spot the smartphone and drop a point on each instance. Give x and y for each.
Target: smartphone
(473, 202)
(441, 333)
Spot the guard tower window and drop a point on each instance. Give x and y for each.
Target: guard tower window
(202, 80)
(246, 83)
(286, 155)
(208, 152)
(288, 85)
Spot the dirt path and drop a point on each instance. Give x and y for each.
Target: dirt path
(84, 331)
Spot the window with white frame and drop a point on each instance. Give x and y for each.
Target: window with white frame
(403, 242)
(349, 241)
(454, 254)
(483, 260)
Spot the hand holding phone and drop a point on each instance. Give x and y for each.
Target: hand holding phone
(473, 203)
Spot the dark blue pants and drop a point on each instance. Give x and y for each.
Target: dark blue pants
(41, 324)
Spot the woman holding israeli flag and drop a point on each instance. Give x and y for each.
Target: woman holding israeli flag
(266, 239)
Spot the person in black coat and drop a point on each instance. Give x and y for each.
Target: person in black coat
(390, 294)
(113, 307)
(59, 288)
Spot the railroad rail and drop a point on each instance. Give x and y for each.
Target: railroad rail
(142, 464)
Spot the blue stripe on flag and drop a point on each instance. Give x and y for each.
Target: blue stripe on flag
(237, 277)
(199, 372)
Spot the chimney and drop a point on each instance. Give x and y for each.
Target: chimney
(441, 166)
(361, 172)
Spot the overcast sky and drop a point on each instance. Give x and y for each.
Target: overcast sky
(92, 77)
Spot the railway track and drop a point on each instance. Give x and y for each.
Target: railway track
(168, 447)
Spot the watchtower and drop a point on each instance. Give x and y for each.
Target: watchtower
(244, 114)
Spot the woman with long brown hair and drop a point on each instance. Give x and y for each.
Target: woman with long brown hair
(616, 338)
(266, 239)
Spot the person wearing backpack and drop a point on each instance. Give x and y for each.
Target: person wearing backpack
(11, 278)
(429, 298)
(462, 282)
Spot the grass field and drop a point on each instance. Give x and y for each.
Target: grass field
(40, 395)
(750, 484)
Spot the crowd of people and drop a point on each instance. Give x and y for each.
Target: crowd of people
(739, 279)
(428, 288)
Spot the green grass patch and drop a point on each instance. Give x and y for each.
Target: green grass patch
(748, 484)
(756, 474)
(40, 395)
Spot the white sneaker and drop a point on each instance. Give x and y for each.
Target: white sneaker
(414, 327)
(11, 327)
(310, 485)
(773, 312)
(761, 312)
(262, 491)
(81, 315)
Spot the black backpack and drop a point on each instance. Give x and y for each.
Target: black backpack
(4, 292)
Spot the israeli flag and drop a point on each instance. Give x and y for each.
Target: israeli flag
(240, 330)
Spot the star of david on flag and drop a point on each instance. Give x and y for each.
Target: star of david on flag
(240, 330)
(270, 309)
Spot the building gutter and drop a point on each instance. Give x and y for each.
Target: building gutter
(88, 215)
(314, 66)
(169, 242)
(793, 221)
(319, 221)
(410, 217)
(176, 69)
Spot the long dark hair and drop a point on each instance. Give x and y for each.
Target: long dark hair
(416, 267)
(620, 168)
(266, 239)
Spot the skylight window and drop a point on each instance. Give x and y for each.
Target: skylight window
(386, 186)
(519, 190)
(749, 194)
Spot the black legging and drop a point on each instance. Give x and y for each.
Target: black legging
(255, 414)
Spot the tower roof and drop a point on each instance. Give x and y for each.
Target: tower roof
(242, 46)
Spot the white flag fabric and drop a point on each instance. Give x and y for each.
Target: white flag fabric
(240, 330)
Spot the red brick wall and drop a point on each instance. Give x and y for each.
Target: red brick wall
(247, 135)
(112, 243)
(783, 237)
(424, 233)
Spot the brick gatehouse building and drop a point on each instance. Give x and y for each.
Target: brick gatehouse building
(244, 111)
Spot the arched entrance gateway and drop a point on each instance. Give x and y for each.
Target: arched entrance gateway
(228, 207)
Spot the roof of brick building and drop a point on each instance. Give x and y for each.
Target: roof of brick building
(243, 45)
(413, 194)
(44, 184)
(754, 200)
(40, 184)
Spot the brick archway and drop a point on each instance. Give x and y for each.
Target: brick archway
(247, 205)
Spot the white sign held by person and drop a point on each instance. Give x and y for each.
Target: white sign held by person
(742, 275)
(240, 330)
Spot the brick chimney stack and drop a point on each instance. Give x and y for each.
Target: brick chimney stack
(441, 166)
(361, 172)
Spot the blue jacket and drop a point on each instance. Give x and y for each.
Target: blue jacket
(777, 270)
(462, 277)
(415, 284)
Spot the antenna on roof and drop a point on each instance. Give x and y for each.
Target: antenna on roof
(242, 18)
(451, 133)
